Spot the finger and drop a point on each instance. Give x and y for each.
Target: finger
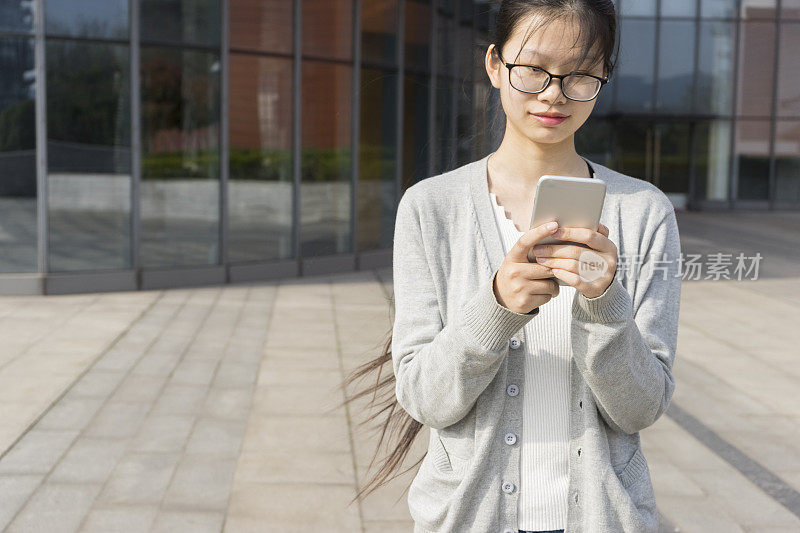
(593, 239)
(602, 229)
(570, 278)
(534, 271)
(519, 252)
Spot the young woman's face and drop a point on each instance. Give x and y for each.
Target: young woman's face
(551, 49)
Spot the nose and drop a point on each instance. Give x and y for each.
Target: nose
(553, 93)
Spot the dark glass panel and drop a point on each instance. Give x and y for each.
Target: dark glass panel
(16, 15)
(325, 194)
(260, 159)
(787, 161)
(88, 155)
(418, 36)
(180, 157)
(752, 153)
(678, 8)
(639, 8)
(328, 28)
(416, 121)
(377, 159)
(18, 224)
(261, 25)
(97, 19)
(676, 66)
(594, 140)
(181, 22)
(379, 32)
(635, 75)
(671, 158)
(718, 8)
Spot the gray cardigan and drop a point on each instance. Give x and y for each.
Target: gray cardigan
(456, 373)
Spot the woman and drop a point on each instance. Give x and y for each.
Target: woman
(534, 396)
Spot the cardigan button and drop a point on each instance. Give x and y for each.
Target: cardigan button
(509, 530)
(508, 487)
(512, 390)
(511, 439)
(514, 343)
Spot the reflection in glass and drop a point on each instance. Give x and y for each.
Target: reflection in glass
(260, 159)
(639, 8)
(261, 25)
(16, 15)
(325, 159)
(416, 119)
(180, 157)
(87, 18)
(465, 122)
(790, 9)
(418, 36)
(787, 161)
(88, 155)
(715, 68)
(756, 68)
(635, 75)
(758, 9)
(634, 148)
(593, 140)
(678, 8)
(752, 155)
(377, 159)
(671, 158)
(676, 66)
(789, 72)
(712, 159)
(445, 158)
(328, 28)
(181, 22)
(18, 225)
(379, 32)
(718, 8)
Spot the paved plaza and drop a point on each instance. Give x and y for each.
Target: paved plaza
(217, 409)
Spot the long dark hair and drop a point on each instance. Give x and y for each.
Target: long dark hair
(597, 39)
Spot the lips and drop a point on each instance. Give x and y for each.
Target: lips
(552, 115)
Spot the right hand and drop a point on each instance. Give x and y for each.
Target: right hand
(521, 285)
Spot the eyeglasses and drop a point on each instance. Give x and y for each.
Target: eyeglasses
(531, 79)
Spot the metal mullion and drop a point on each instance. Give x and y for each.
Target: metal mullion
(136, 142)
(772, 183)
(690, 201)
(455, 24)
(432, 146)
(40, 69)
(657, 52)
(733, 165)
(355, 128)
(296, 137)
(224, 140)
(400, 119)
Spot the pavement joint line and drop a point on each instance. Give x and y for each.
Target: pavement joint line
(754, 471)
(53, 403)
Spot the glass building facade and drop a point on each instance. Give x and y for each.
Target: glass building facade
(155, 143)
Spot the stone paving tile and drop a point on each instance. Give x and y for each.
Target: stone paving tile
(140, 478)
(120, 519)
(188, 522)
(163, 433)
(89, 460)
(15, 490)
(215, 436)
(55, 507)
(201, 482)
(37, 451)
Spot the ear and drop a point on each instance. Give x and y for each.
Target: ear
(493, 65)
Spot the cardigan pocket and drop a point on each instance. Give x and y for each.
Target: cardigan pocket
(434, 488)
(635, 470)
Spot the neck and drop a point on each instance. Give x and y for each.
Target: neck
(519, 163)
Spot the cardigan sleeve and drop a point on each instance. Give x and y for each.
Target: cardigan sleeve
(626, 350)
(441, 369)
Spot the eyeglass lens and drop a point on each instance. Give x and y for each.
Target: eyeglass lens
(535, 80)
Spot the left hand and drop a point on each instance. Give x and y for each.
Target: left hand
(590, 270)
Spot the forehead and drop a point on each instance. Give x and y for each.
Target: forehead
(557, 42)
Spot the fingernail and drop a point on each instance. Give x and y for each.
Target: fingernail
(552, 225)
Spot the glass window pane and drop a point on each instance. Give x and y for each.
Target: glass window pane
(328, 28)
(377, 159)
(178, 21)
(416, 120)
(671, 166)
(88, 155)
(676, 66)
(712, 159)
(678, 8)
(18, 224)
(752, 154)
(260, 159)
(634, 141)
(87, 18)
(593, 140)
(718, 8)
(180, 157)
(789, 72)
(758, 9)
(756, 68)
(16, 15)
(715, 69)
(418, 36)
(787, 161)
(638, 8)
(445, 159)
(325, 194)
(262, 25)
(635, 73)
(790, 9)
(379, 32)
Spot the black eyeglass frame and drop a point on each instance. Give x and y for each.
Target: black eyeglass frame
(561, 77)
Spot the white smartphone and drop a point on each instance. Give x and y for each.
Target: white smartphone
(571, 201)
